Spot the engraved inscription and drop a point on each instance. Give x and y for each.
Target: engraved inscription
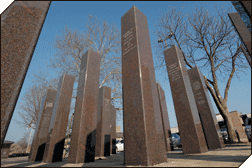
(127, 42)
(173, 71)
(198, 96)
(196, 85)
(82, 76)
(201, 102)
(48, 104)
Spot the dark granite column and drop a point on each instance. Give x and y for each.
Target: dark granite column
(83, 137)
(206, 112)
(106, 123)
(59, 120)
(103, 122)
(190, 129)
(143, 131)
(21, 24)
(42, 127)
(242, 30)
(113, 130)
(247, 7)
(165, 118)
(237, 123)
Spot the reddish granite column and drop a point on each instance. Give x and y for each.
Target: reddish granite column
(206, 112)
(190, 129)
(83, 137)
(165, 118)
(242, 30)
(42, 127)
(143, 131)
(113, 129)
(21, 24)
(59, 120)
(106, 123)
(103, 122)
(237, 122)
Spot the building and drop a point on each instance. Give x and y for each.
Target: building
(119, 134)
(219, 117)
(5, 150)
(175, 130)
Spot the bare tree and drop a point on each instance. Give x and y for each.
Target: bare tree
(30, 106)
(31, 103)
(99, 36)
(21, 145)
(208, 41)
(102, 38)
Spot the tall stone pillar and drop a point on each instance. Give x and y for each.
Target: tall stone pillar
(42, 127)
(59, 120)
(83, 137)
(189, 124)
(21, 24)
(239, 129)
(143, 131)
(206, 112)
(106, 123)
(165, 118)
(242, 30)
(113, 130)
(103, 136)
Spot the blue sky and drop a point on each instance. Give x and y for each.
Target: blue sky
(74, 15)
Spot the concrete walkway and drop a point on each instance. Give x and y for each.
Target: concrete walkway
(232, 155)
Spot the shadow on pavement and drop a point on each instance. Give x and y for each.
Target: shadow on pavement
(24, 164)
(110, 161)
(54, 164)
(222, 158)
(237, 145)
(35, 164)
(238, 149)
(5, 162)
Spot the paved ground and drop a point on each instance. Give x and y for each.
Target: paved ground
(230, 156)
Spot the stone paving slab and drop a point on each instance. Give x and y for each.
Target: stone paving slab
(231, 156)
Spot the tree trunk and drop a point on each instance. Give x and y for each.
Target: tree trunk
(224, 112)
(230, 127)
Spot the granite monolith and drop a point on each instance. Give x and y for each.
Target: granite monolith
(83, 137)
(58, 124)
(21, 24)
(42, 126)
(113, 129)
(242, 30)
(239, 129)
(143, 132)
(103, 122)
(189, 124)
(165, 118)
(207, 116)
